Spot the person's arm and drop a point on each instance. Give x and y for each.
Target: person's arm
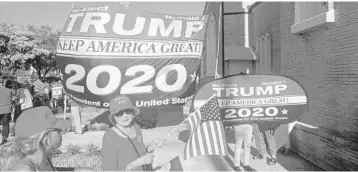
(109, 153)
(143, 160)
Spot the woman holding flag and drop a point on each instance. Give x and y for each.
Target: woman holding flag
(123, 147)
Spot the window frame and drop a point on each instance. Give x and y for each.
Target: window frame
(302, 26)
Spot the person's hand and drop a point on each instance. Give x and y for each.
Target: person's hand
(147, 159)
(155, 144)
(159, 143)
(143, 160)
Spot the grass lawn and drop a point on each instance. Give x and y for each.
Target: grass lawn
(82, 159)
(91, 160)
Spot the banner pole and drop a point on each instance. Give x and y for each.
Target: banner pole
(222, 39)
(64, 107)
(218, 46)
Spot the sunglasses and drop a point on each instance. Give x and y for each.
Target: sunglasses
(127, 111)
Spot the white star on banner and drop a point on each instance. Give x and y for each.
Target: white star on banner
(193, 76)
(284, 112)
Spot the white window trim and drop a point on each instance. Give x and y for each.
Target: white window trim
(318, 20)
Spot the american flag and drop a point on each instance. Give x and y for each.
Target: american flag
(207, 131)
(38, 84)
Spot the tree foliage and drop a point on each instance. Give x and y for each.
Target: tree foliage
(22, 46)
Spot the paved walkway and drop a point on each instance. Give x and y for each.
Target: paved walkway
(174, 147)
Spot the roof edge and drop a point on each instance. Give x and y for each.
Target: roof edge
(250, 7)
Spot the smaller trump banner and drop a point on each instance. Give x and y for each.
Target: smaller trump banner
(255, 98)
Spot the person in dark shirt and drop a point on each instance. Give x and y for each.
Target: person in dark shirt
(123, 146)
(6, 98)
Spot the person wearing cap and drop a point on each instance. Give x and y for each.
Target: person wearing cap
(123, 147)
(38, 134)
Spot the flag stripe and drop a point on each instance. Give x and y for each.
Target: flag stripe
(207, 137)
(193, 147)
(39, 85)
(195, 141)
(192, 125)
(207, 131)
(216, 148)
(201, 145)
(192, 144)
(221, 142)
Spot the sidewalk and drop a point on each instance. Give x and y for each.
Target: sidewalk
(174, 147)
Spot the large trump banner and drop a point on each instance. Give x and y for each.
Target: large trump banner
(104, 51)
(256, 99)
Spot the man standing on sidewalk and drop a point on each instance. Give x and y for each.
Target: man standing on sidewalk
(6, 95)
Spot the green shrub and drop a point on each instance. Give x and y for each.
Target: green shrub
(103, 127)
(78, 160)
(73, 149)
(93, 150)
(98, 127)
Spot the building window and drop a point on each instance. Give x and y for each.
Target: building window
(263, 64)
(312, 14)
(306, 10)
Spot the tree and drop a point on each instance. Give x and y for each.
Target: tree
(43, 63)
(24, 46)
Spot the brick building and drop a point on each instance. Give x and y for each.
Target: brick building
(314, 43)
(319, 49)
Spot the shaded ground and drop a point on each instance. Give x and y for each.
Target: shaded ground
(173, 148)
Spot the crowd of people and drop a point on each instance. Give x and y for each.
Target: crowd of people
(16, 98)
(19, 97)
(34, 145)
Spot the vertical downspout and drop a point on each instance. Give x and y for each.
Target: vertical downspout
(222, 39)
